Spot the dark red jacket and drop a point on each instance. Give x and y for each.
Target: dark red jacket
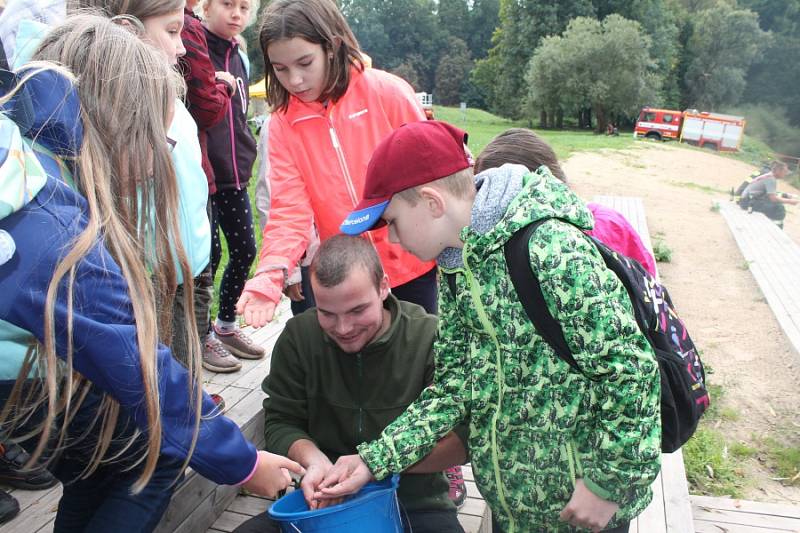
(231, 145)
(207, 97)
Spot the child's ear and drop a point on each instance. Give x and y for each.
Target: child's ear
(434, 201)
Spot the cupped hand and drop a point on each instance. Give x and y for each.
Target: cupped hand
(256, 310)
(346, 477)
(310, 484)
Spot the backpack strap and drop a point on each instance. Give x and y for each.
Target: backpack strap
(529, 291)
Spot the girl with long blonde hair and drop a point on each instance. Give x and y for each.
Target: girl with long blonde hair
(96, 393)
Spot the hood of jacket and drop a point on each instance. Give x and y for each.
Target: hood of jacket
(45, 108)
(509, 198)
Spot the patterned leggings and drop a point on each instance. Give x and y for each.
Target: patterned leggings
(230, 211)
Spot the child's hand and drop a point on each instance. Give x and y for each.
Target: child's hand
(347, 476)
(315, 473)
(255, 309)
(228, 78)
(294, 292)
(586, 509)
(272, 474)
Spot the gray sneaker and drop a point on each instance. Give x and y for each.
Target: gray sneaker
(217, 358)
(239, 344)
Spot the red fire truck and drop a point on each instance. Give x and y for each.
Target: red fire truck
(723, 132)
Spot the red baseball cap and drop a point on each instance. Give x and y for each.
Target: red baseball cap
(414, 154)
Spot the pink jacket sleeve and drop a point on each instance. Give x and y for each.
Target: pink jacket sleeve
(613, 229)
(285, 236)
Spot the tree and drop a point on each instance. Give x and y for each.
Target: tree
(396, 31)
(453, 18)
(724, 42)
(660, 20)
(775, 78)
(407, 71)
(483, 19)
(603, 66)
(452, 73)
(523, 24)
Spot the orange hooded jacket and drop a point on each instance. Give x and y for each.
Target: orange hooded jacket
(318, 157)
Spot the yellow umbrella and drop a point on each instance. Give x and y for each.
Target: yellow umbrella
(259, 89)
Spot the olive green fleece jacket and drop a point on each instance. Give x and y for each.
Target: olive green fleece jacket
(339, 400)
(536, 425)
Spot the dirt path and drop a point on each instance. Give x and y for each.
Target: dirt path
(712, 288)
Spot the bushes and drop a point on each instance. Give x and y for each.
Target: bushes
(771, 125)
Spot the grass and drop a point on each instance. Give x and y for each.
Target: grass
(483, 127)
(710, 465)
(784, 460)
(662, 251)
(699, 187)
(713, 466)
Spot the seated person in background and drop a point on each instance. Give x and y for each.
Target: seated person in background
(342, 372)
(762, 194)
(523, 147)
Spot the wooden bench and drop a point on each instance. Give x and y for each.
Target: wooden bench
(774, 260)
(671, 510)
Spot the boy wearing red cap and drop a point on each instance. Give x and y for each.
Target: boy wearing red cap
(552, 448)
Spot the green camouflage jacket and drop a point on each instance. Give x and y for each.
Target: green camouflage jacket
(536, 425)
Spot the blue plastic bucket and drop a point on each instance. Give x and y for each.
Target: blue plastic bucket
(374, 509)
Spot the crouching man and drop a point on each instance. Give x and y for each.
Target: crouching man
(343, 371)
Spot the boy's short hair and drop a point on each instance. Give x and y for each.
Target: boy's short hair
(414, 154)
(458, 185)
(520, 146)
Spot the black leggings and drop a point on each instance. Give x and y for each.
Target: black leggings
(230, 211)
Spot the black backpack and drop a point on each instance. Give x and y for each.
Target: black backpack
(684, 397)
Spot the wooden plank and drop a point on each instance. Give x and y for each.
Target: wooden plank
(653, 518)
(249, 505)
(744, 506)
(676, 493)
(37, 515)
(773, 260)
(769, 522)
(471, 524)
(703, 526)
(473, 506)
(228, 521)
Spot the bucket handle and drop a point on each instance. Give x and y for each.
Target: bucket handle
(295, 527)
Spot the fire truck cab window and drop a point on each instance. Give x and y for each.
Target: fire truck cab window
(667, 118)
(649, 117)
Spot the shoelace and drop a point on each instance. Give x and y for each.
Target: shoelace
(218, 349)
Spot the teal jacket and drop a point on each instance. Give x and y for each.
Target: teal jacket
(536, 425)
(195, 227)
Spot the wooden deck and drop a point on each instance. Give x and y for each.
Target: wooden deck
(774, 260)
(670, 511)
(726, 515)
